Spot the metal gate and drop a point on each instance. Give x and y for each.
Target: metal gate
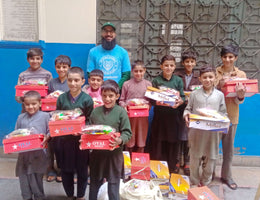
(150, 29)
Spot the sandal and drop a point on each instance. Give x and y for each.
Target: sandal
(186, 170)
(58, 179)
(51, 177)
(177, 168)
(230, 183)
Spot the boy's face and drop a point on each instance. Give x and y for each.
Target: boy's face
(95, 82)
(32, 105)
(207, 80)
(168, 67)
(229, 60)
(75, 82)
(62, 70)
(138, 72)
(189, 64)
(35, 62)
(109, 98)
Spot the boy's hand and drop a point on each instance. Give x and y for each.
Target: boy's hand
(187, 120)
(45, 141)
(178, 102)
(76, 134)
(114, 142)
(240, 90)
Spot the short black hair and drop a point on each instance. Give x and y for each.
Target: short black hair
(96, 72)
(229, 49)
(76, 70)
(207, 68)
(32, 94)
(188, 54)
(34, 52)
(110, 85)
(167, 57)
(62, 59)
(137, 62)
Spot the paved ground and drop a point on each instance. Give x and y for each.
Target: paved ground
(247, 178)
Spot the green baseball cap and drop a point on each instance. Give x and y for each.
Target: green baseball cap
(108, 24)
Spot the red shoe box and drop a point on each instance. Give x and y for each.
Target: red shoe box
(49, 104)
(66, 127)
(138, 111)
(23, 143)
(199, 193)
(101, 141)
(22, 89)
(251, 87)
(140, 166)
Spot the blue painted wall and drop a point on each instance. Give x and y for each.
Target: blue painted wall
(13, 62)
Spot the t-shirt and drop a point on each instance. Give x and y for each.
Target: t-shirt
(56, 84)
(111, 62)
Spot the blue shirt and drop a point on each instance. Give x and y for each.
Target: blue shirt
(112, 62)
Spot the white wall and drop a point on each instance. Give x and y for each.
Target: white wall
(68, 21)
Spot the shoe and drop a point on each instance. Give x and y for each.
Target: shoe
(230, 183)
(177, 168)
(51, 177)
(186, 170)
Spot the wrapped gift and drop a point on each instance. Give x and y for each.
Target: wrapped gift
(209, 123)
(200, 193)
(49, 104)
(23, 143)
(127, 164)
(161, 95)
(179, 184)
(140, 166)
(66, 127)
(22, 89)
(160, 175)
(138, 111)
(229, 88)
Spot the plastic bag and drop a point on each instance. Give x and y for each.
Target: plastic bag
(136, 102)
(35, 82)
(65, 114)
(98, 129)
(103, 194)
(138, 190)
(21, 132)
(54, 94)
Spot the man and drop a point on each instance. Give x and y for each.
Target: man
(109, 57)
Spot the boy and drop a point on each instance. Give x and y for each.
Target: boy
(32, 165)
(62, 65)
(203, 143)
(229, 55)
(72, 158)
(189, 78)
(105, 163)
(95, 81)
(35, 71)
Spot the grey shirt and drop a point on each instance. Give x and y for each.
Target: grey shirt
(56, 84)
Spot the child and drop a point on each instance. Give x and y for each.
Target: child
(95, 81)
(189, 78)
(62, 65)
(105, 163)
(229, 55)
(72, 158)
(35, 71)
(203, 143)
(32, 165)
(165, 124)
(139, 125)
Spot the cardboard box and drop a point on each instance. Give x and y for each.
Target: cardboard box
(179, 184)
(66, 127)
(160, 97)
(23, 143)
(99, 141)
(140, 166)
(127, 164)
(251, 87)
(138, 111)
(22, 89)
(209, 123)
(49, 104)
(199, 193)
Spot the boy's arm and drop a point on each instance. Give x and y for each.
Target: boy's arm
(88, 108)
(125, 128)
(122, 100)
(124, 77)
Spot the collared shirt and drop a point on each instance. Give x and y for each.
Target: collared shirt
(188, 79)
(232, 103)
